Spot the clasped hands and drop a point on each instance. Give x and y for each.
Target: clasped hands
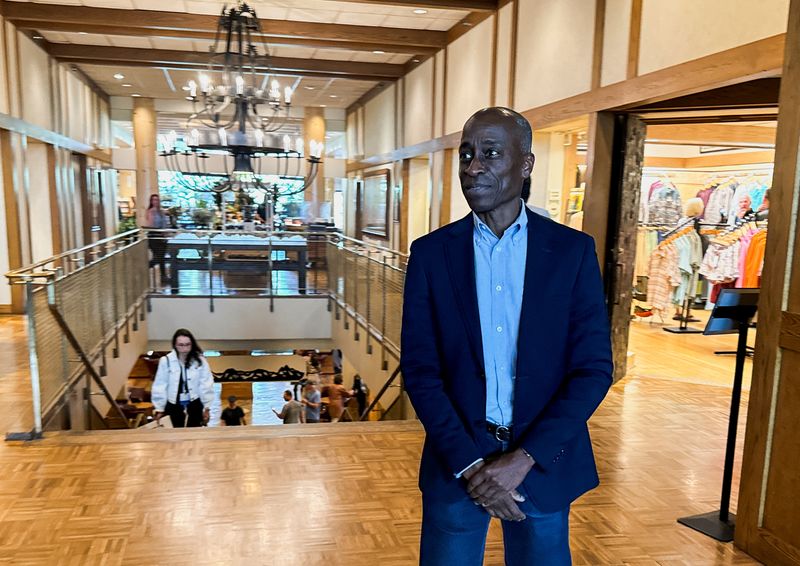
(493, 485)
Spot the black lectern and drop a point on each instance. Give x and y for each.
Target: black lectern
(734, 310)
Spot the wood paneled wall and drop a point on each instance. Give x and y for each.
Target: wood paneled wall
(768, 519)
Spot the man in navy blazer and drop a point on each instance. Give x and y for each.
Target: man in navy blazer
(505, 355)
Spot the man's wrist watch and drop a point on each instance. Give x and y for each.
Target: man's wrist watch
(528, 455)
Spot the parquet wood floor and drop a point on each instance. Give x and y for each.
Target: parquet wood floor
(337, 494)
(685, 357)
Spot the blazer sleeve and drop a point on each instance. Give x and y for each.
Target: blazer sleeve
(158, 393)
(206, 383)
(589, 370)
(422, 373)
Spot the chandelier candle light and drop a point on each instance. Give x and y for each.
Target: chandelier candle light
(240, 118)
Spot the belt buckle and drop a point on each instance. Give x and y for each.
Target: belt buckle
(502, 433)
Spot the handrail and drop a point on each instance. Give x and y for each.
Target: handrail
(376, 246)
(364, 416)
(21, 272)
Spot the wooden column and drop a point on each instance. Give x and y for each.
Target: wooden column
(611, 211)
(404, 198)
(55, 209)
(13, 226)
(768, 517)
(145, 128)
(598, 180)
(314, 130)
(447, 187)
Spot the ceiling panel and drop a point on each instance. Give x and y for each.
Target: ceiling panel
(294, 51)
(199, 7)
(360, 19)
(123, 4)
(127, 41)
(160, 5)
(152, 82)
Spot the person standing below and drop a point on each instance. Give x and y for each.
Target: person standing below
(233, 414)
(505, 353)
(292, 411)
(312, 400)
(337, 396)
(157, 241)
(184, 385)
(360, 391)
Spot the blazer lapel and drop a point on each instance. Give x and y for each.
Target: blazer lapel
(460, 258)
(537, 267)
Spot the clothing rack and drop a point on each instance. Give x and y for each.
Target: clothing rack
(686, 308)
(680, 227)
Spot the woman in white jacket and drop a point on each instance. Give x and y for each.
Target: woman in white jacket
(184, 386)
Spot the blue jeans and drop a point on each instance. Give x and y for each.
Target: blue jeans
(455, 534)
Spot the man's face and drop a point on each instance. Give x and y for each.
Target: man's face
(492, 166)
(287, 396)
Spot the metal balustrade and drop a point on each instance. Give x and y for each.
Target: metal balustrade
(83, 303)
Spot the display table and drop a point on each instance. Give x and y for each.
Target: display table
(237, 253)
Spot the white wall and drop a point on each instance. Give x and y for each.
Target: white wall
(418, 114)
(554, 51)
(469, 75)
(241, 319)
(39, 202)
(615, 41)
(35, 66)
(681, 30)
(379, 123)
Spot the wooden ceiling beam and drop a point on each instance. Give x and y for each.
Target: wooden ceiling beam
(166, 58)
(20, 12)
(711, 134)
(122, 30)
(198, 68)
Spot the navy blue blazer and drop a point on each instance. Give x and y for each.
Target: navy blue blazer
(564, 363)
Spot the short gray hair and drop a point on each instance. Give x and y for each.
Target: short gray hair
(526, 132)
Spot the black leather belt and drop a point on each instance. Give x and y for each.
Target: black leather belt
(501, 433)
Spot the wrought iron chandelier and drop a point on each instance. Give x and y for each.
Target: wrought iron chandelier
(240, 119)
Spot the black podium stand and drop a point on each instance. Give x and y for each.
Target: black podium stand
(734, 310)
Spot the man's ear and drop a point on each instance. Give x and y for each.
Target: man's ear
(527, 165)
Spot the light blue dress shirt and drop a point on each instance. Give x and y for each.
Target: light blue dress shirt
(499, 279)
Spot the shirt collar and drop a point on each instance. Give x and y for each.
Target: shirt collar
(516, 231)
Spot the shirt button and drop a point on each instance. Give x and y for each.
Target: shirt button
(499, 328)
(499, 288)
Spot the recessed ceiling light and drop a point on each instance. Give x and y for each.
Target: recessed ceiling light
(119, 76)
(136, 95)
(333, 96)
(82, 33)
(467, 24)
(379, 52)
(308, 87)
(420, 11)
(185, 87)
(415, 60)
(127, 84)
(37, 37)
(323, 105)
